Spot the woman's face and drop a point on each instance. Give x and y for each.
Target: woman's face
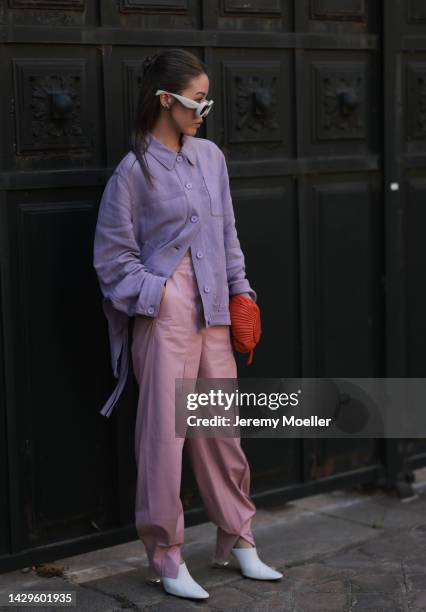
(185, 119)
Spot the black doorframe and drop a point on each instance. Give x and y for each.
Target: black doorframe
(396, 40)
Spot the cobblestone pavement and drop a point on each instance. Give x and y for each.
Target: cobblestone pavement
(343, 551)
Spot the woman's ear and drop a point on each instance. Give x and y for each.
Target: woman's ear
(165, 101)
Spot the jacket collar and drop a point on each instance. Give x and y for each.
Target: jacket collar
(167, 156)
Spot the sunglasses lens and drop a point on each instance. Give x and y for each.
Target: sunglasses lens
(205, 111)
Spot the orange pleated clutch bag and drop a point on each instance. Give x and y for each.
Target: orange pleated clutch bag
(245, 324)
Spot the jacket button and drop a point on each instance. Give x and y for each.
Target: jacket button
(150, 310)
(179, 158)
(188, 185)
(194, 218)
(199, 254)
(206, 288)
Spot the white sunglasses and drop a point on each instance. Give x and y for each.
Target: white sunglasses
(202, 109)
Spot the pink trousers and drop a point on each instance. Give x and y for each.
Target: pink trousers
(176, 345)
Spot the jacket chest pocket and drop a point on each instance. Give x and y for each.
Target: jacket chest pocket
(214, 192)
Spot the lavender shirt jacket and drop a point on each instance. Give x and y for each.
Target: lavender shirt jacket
(143, 232)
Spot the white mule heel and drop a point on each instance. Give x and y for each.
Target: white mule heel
(183, 585)
(252, 567)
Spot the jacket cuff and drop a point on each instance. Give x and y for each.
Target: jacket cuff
(247, 295)
(149, 302)
(242, 286)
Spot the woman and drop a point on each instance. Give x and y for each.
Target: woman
(167, 255)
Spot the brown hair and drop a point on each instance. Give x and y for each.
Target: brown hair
(171, 70)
